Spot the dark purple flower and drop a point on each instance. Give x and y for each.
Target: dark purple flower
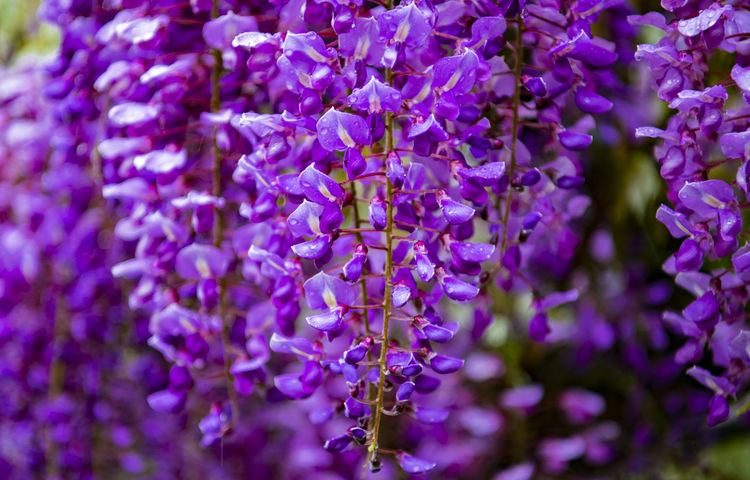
(703, 310)
(456, 74)
(718, 411)
(591, 102)
(689, 256)
(353, 268)
(337, 444)
(454, 288)
(313, 249)
(575, 140)
(378, 215)
(444, 364)
(404, 391)
(425, 267)
(363, 41)
(404, 24)
(705, 198)
(583, 47)
(426, 135)
(719, 385)
(539, 327)
(437, 334)
(455, 212)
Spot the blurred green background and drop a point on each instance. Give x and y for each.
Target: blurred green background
(21, 33)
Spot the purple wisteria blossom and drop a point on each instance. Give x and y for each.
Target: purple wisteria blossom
(702, 154)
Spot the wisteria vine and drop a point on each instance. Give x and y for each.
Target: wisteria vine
(711, 120)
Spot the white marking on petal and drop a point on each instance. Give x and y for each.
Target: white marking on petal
(344, 136)
(329, 298)
(363, 45)
(711, 200)
(202, 266)
(312, 53)
(403, 31)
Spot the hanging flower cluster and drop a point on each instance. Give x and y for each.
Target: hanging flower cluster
(69, 394)
(393, 177)
(703, 158)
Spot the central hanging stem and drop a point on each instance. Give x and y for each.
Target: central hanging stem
(365, 297)
(218, 230)
(382, 362)
(514, 133)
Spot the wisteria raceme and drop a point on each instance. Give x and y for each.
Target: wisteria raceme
(405, 97)
(703, 158)
(70, 384)
(317, 239)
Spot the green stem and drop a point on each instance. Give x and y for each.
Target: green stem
(514, 134)
(56, 378)
(387, 293)
(363, 285)
(218, 231)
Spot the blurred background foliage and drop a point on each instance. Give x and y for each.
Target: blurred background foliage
(626, 190)
(21, 33)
